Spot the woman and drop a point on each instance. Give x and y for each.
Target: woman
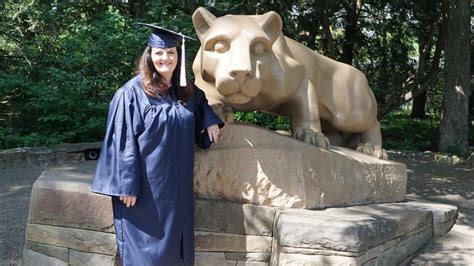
(147, 157)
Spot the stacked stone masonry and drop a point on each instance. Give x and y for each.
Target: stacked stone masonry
(247, 188)
(68, 225)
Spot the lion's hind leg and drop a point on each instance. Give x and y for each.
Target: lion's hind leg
(371, 142)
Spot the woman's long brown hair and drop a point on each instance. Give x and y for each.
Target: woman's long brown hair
(153, 83)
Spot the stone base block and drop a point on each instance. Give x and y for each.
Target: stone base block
(233, 218)
(254, 165)
(79, 239)
(61, 197)
(221, 258)
(444, 215)
(60, 253)
(380, 234)
(70, 225)
(87, 258)
(31, 257)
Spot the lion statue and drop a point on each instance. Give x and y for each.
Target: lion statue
(245, 63)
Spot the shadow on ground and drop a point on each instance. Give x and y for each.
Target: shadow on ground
(446, 183)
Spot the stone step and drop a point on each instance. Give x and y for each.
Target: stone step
(384, 234)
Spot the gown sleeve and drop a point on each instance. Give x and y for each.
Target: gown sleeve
(118, 172)
(205, 117)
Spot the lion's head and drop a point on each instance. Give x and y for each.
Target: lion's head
(237, 56)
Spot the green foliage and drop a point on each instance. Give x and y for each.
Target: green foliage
(401, 132)
(269, 121)
(61, 61)
(74, 67)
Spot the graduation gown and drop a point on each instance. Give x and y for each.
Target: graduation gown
(148, 152)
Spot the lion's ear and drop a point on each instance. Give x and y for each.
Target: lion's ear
(271, 23)
(202, 20)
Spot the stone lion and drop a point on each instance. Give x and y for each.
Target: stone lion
(245, 63)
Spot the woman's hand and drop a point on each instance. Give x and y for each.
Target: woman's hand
(128, 200)
(213, 132)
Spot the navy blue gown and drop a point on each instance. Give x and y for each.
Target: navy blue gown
(148, 152)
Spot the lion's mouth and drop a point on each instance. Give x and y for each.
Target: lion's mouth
(238, 98)
(239, 94)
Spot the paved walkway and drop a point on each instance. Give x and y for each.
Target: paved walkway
(440, 182)
(15, 189)
(446, 183)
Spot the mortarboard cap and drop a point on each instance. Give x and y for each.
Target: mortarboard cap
(165, 38)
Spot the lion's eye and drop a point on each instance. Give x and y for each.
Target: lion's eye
(259, 48)
(221, 47)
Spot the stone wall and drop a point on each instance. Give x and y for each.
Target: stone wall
(57, 155)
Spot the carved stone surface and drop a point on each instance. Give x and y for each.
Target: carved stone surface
(79, 239)
(246, 63)
(230, 233)
(248, 256)
(354, 229)
(234, 218)
(61, 196)
(212, 259)
(254, 165)
(385, 233)
(87, 258)
(38, 259)
(444, 215)
(60, 253)
(212, 242)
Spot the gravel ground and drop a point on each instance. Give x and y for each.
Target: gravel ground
(442, 182)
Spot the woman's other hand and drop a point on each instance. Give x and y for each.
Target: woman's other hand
(128, 200)
(213, 132)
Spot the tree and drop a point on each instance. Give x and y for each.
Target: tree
(454, 129)
(73, 55)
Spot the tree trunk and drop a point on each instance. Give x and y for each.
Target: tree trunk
(328, 42)
(419, 103)
(135, 8)
(350, 31)
(454, 130)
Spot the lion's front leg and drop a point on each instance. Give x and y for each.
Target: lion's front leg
(224, 111)
(228, 114)
(311, 136)
(305, 121)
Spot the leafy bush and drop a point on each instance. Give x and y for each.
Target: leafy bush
(272, 122)
(402, 132)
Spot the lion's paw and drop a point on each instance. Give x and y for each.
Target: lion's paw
(372, 150)
(229, 118)
(312, 137)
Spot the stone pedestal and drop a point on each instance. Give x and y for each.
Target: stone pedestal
(69, 225)
(254, 165)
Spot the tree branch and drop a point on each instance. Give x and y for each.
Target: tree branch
(18, 45)
(414, 85)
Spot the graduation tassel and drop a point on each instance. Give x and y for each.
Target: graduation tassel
(182, 75)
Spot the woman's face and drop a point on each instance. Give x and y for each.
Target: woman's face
(164, 60)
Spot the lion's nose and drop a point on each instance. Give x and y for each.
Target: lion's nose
(240, 74)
